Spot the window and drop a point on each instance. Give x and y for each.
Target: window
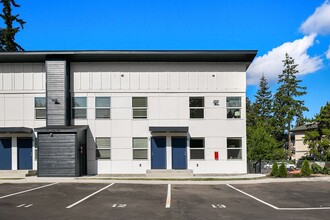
(103, 150)
(196, 105)
(79, 107)
(40, 107)
(102, 107)
(234, 107)
(140, 107)
(234, 148)
(140, 148)
(197, 148)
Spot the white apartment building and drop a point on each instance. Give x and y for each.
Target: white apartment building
(71, 113)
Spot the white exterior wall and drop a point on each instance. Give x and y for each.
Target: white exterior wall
(168, 87)
(19, 84)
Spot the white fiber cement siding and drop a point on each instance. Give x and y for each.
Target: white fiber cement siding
(168, 87)
(19, 85)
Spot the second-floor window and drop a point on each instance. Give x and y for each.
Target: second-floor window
(79, 107)
(40, 107)
(196, 106)
(234, 107)
(102, 107)
(140, 107)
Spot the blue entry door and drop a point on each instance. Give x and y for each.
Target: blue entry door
(158, 153)
(179, 152)
(5, 153)
(24, 147)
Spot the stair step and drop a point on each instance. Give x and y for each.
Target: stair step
(163, 173)
(13, 173)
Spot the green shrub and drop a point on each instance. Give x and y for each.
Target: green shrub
(274, 169)
(326, 170)
(296, 175)
(316, 168)
(282, 172)
(306, 169)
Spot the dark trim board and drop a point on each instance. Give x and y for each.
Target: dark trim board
(6, 130)
(245, 56)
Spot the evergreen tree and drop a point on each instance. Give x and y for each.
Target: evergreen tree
(318, 140)
(287, 106)
(7, 34)
(263, 103)
(250, 114)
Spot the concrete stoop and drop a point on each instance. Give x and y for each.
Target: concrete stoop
(154, 173)
(14, 173)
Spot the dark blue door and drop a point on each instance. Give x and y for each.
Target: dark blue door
(158, 153)
(5, 153)
(24, 146)
(179, 153)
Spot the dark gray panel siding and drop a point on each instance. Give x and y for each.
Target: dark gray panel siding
(57, 89)
(57, 154)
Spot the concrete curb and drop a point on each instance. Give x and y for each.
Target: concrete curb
(201, 181)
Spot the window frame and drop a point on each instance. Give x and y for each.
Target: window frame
(235, 148)
(134, 109)
(102, 148)
(103, 108)
(234, 108)
(197, 148)
(196, 108)
(40, 108)
(146, 148)
(78, 108)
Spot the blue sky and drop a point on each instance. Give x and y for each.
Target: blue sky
(301, 28)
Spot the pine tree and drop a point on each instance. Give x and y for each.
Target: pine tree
(287, 106)
(250, 114)
(263, 103)
(7, 34)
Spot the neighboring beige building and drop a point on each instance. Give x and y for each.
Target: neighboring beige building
(299, 132)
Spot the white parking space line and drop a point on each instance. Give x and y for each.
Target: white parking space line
(168, 199)
(29, 190)
(275, 207)
(253, 197)
(76, 203)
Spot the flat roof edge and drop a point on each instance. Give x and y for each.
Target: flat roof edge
(132, 55)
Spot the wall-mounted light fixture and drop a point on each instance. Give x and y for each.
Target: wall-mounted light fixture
(56, 102)
(216, 102)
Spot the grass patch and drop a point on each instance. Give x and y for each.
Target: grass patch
(174, 179)
(12, 178)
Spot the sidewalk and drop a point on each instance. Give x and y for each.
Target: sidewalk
(204, 180)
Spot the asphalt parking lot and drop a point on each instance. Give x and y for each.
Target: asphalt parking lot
(299, 200)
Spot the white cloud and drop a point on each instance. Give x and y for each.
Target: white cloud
(319, 22)
(271, 63)
(328, 53)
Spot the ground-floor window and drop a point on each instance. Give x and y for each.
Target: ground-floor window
(140, 148)
(197, 147)
(234, 148)
(103, 148)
